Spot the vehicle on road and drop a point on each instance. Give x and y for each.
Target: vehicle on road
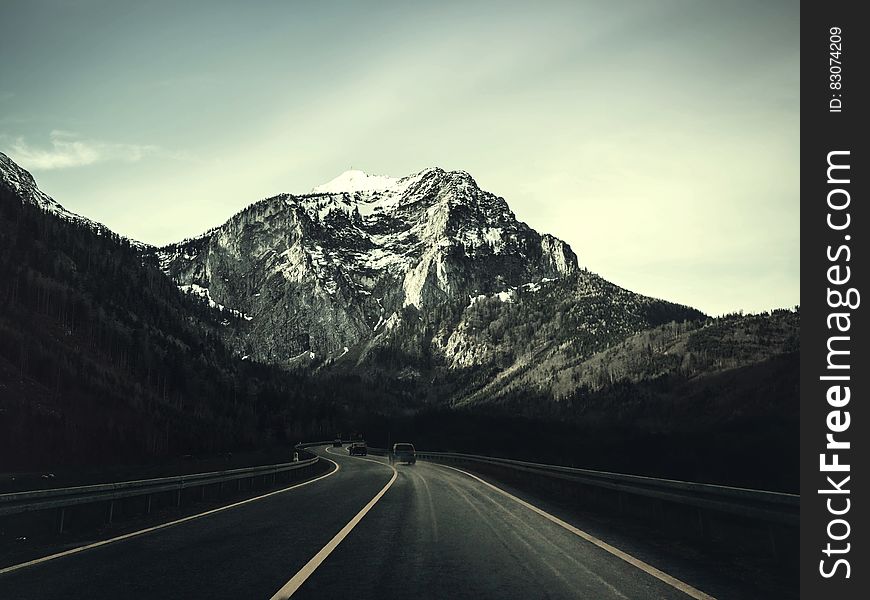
(403, 452)
(358, 449)
(336, 443)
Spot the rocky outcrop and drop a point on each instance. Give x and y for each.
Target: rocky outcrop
(324, 271)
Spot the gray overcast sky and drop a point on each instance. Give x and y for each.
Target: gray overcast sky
(660, 139)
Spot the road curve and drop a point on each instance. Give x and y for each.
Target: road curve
(422, 531)
(249, 551)
(438, 533)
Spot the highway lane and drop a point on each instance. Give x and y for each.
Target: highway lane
(248, 551)
(430, 532)
(438, 533)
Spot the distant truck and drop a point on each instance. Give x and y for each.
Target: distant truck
(358, 449)
(403, 452)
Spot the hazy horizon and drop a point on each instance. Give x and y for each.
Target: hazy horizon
(661, 141)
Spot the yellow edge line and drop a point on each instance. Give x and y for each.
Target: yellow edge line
(127, 536)
(289, 588)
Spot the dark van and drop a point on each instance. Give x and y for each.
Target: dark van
(403, 452)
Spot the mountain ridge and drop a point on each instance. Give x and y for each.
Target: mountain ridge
(368, 266)
(367, 253)
(104, 354)
(425, 278)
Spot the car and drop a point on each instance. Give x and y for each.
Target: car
(358, 449)
(403, 452)
(336, 443)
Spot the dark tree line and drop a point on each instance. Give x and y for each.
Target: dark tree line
(103, 359)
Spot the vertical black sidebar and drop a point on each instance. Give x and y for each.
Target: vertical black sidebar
(835, 370)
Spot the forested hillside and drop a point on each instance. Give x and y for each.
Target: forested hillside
(103, 358)
(709, 400)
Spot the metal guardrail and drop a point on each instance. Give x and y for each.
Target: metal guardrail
(21, 502)
(771, 507)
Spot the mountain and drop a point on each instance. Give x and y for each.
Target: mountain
(418, 304)
(641, 380)
(20, 183)
(420, 275)
(323, 271)
(103, 359)
(713, 400)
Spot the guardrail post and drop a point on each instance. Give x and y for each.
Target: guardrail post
(60, 520)
(148, 504)
(110, 512)
(178, 497)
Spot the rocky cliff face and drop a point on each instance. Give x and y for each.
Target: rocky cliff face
(323, 272)
(426, 281)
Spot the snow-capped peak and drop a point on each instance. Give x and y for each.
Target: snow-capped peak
(356, 181)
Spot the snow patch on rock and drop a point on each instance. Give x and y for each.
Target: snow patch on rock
(203, 292)
(356, 181)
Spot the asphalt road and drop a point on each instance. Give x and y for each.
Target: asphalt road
(365, 531)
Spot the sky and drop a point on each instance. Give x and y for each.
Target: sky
(659, 139)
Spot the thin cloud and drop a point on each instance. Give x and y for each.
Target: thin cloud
(67, 150)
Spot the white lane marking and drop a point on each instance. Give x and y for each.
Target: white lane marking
(289, 588)
(522, 524)
(636, 562)
(127, 536)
